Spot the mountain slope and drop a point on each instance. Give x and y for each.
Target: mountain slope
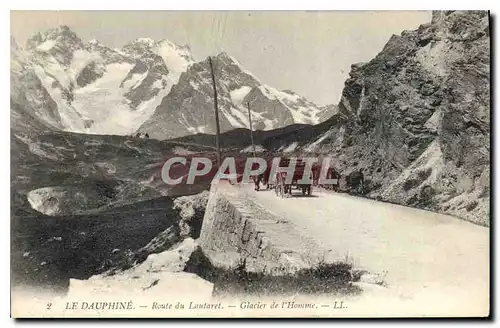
(416, 118)
(327, 112)
(240, 138)
(32, 110)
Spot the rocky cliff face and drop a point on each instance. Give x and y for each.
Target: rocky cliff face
(416, 118)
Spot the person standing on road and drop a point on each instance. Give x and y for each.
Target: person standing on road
(361, 183)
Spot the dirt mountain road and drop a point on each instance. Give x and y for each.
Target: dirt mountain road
(437, 261)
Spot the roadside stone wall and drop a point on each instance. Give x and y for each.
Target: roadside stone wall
(235, 228)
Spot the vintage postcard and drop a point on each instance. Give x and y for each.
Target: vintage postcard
(250, 164)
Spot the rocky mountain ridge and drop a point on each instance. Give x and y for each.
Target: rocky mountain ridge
(90, 88)
(190, 102)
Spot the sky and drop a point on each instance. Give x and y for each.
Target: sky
(308, 52)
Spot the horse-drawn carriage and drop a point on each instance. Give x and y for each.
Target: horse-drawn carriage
(264, 178)
(283, 187)
(334, 177)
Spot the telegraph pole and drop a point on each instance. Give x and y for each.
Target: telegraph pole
(217, 136)
(251, 129)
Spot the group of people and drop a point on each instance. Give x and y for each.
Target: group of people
(355, 181)
(142, 135)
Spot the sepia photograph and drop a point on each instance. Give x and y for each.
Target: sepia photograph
(250, 164)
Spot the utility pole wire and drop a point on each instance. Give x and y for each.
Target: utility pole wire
(217, 136)
(251, 129)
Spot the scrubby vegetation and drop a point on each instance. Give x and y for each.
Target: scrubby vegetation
(335, 279)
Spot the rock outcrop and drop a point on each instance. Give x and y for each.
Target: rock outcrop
(160, 277)
(191, 211)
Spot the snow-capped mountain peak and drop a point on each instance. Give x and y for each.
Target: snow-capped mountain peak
(177, 58)
(188, 108)
(60, 39)
(150, 42)
(96, 89)
(94, 43)
(153, 86)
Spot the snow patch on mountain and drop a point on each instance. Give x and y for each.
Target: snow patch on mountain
(434, 122)
(300, 113)
(176, 58)
(237, 95)
(47, 45)
(70, 118)
(106, 93)
(81, 58)
(240, 116)
(249, 149)
(146, 109)
(195, 129)
(182, 151)
(280, 95)
(134, 81)
(290, 148)
(92, 100)
(53, 69)
(268, 123)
